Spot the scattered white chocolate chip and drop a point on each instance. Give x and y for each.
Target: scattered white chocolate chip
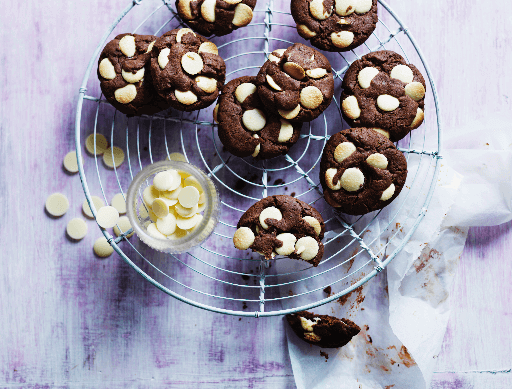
(98, 203)
(150, 46)
(366, 76)
(418, 119)
(307, 247)
(351, 107)
(318, 11)
(102, 248)
(192, 63)
(312, 337)
(285, 132)
(311, 97)
(352, 179)
(57, 204)
(167, 224)
(101, 144)
(107, 216)
(163, 57)
(208, 10)
(254, 119)
(127, 45)
(294, 70)
(192, 181)
(307, 325)
(185, 9)
(208, 47)
(113, 157)
(133, 77)
(256, 150)
(288, 246)
(152, 230)
(173, 194)
(272, 83)
(344, 7)
(388, 193)
(290, 114)
(243, 15)
(313, 222)
(243, 238)
(188, 197)
(244, 90)
(402, 73)
(415, 90)
(71, 163)
(187, 97)
(188, 223)
(126, 94)
(377, 160)
(160, 208)
(216, 113)
(163, 180)
(106, 69)
(387, 103)
(186, 212)
(329, 175)
(119, 203)
(362, 6)
(342, 39)
(150, 194)
(123, 225)
(381, 131)
(316, 73)
(269, 213)
(305, 31)
(343, 151)
(76, 228)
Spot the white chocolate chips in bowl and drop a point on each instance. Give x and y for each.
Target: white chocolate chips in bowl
(172, 206)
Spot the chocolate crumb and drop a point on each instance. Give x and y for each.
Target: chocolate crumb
(292, 194)
(324, 354)
(245, 277)
(285, 188)
(245, 305)
(279, 181)
(328, 290)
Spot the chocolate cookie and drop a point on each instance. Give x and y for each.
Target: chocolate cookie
(322, 330)
(219, 17)
(335, 25)
(361, 171)
(296, 83)
(125, 75)
(187, 69)
(282, 225)
(383, 92)
(244, 126)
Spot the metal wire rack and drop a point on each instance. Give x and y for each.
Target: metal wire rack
(216, 276)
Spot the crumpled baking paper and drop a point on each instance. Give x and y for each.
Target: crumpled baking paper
(404, 311)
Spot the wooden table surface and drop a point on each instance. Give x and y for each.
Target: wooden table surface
(69, 319)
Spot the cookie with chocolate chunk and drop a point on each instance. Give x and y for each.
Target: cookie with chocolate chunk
(361, 171)
(382, 91)
(282, 225)
(245, 128)
(335, 25)
(296, 84)
(187, 69)
(125, 75)
(322, 330)
(216, 17)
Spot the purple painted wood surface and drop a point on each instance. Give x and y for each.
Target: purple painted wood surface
(69, 319)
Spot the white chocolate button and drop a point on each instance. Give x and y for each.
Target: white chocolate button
(344, 7)
(307, 247)
(415, 90)
(207, 84)
(185, 10)
(101, 144)
(243, 15)
(106, 69)
(188, 197)
(388, 193)
(167, 224)
(176, 181)
(285, 132)
(290, 114)
(192, 181)
(381, 131)
(256, 150)
(362, 6)
(351, 107)
(70, 162)
(208, 47)
(329, 175)
(113, 161)
(316, 73)
(216, 113)
(163, 180)
(98, 203)
(343, 151)
(244, 90)
(188, 223)
(76, 228)
(269, 213)
(366, 76)
(127, 45)
(107, 217)
(243, 238)
(387, 103)
(305, 31)
(192, 63)
(233, 1)
(178, 234)
(208, 10)
(318, 11)
(311, 97)
(150, 194)
(173, 194)
(313, 222)
(307, 325)
(312, 337)
(126, 94)
(57, 204)
(202, 198)
(150, 46)
(186, 212)
(272, 83)
(170, 203)
(352, 179)
(402, 73)
(160, 208)
(119, 203)
(343, 21)
(123, 225)
(153, 231)
(254, 119)
(133, 77)
(182, 32)
(186, 98)
(288, 246)
(152, 216)
(294, 70)
(342, 39)
(163, 57)
(102, 248)
(377, 160)
(418, 119)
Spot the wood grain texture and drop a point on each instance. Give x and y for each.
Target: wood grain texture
(69, 319)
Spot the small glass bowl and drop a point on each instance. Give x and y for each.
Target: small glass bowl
(139, 222)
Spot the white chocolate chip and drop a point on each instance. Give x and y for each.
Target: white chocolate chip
(254, 119)
(113, 157)
(362, 6)
(186, 212)
(312, 337)
(243, 15)
(272, 83)
(208, 47)
(153, 232)
(192, 63)
(418, 119)
(256, 150)
(133, 78)
(244, 90)
(102, 248)
(149, 195)
(382, 132)
(352, 179)
(216, 113)
(169, 202)
(344, 7)
(285, 132)
(160, 208)
(163, 57)
(188, 223)
(106, 69)
(318, 11)
(342, 39)
(127, 45)
(269, 213)
(208, 10)
(178, 234)
(243, 238)
(351, 107)
(192, 181)
(316, 73)
(173, 194)
(123, 225)
(185, 9)
(388, 193)
(126, 94)
(186, 98)
(207, 84)
(307, 325)
(313, 222)
(167, 224)
(402, 73)
(366, 76)
(188, 197)
(387, 103)
(307, 247)
(107, 217)
(288, 246)
(150, 46)
(294, 70)
(152, 216)
(329, 175)
(119, 203)
(311, 97)
(163, 180)
(57, 204)
(305, 31)
(343, 21)
(71, 163)
(377, 160)
(98, 203)
(415, 90)
(202, 198)
(290, 114)
(343, 151)
(101, 144)
(276, 55)
(232, 2)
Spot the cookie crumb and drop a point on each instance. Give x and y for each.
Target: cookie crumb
(325, 355)
(328, 290)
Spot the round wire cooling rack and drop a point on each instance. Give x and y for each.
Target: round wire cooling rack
(216, 276)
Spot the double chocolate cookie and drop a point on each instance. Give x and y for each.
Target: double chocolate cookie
(187, 69)
(296, 83)
(219, 17)
(383, 92)
(335, 25)
(244, 126)
(282, 225)
(322, 330)
(361, 171)
(125, 76)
